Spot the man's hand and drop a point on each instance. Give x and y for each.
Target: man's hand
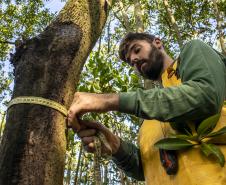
(88, 132)
(90, 102)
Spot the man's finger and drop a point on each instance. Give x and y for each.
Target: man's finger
(87, 140)
(82, 126)
(73, 121)
(90, 124)
(87, 133)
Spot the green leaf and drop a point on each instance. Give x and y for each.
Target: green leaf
(217, 133)
(208, 125)
(211, 149)
(185, 137)
(173, 144)
(218, 139)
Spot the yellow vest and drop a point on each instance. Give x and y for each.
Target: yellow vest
(194, 167)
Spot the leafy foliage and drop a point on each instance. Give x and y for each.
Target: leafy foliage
(173, 144)
(208, 125)
(20, 20)
(211, 149)
(204, 131)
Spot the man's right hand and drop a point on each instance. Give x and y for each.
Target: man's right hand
(90, 102)
(88, 133)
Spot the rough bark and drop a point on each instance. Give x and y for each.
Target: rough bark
(33, 147)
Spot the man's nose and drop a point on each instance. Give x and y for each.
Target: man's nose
(134, 60)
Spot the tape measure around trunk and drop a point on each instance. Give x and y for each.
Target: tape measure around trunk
(39, 101)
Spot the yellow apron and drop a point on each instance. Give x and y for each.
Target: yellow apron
(194, 167)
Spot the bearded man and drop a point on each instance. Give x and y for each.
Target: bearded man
(193, 89)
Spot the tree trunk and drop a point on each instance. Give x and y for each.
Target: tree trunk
(68, 176)
(106, 181)
(173, 23)
(138, 13)
(33, 146)
(125, 19)
(69, 164)
(78, 165)
(81, 171)
(219, 26)
(1, 124)
(122, 177)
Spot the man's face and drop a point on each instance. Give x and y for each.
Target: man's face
(145, 58)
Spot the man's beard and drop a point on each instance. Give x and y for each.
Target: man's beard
(153, 65)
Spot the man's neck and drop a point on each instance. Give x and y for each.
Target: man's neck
(168, 61)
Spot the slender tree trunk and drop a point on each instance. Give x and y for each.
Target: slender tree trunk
(106, 181)
(173, 23)
(84, 172)
(81, 171)
(1, 124)
(33, 146)
(138, 16)
(68, 176)
(219, 27)
(125, 19)
(139, 27)
(69, 163)
(97, 170)
(78, 165)
(122, 177)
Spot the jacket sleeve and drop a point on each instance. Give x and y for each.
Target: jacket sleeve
(200, 95)
(129, 160)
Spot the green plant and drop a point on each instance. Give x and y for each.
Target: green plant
(204, 137)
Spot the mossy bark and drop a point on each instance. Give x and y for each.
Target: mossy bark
(33, 148)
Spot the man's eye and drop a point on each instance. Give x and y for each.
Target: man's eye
(137, 50)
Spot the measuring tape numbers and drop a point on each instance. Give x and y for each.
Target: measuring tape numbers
(38, 101)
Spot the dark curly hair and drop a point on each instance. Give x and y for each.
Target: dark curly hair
(124, 44)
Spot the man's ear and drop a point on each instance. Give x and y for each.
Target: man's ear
(158, 43)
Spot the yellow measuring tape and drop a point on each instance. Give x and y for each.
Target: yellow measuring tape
(38, 101)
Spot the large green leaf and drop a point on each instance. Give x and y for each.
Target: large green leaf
(208, 125)
(217, 133)
(218, 139)
(185, 137)
(211, 149)
(173, 144)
